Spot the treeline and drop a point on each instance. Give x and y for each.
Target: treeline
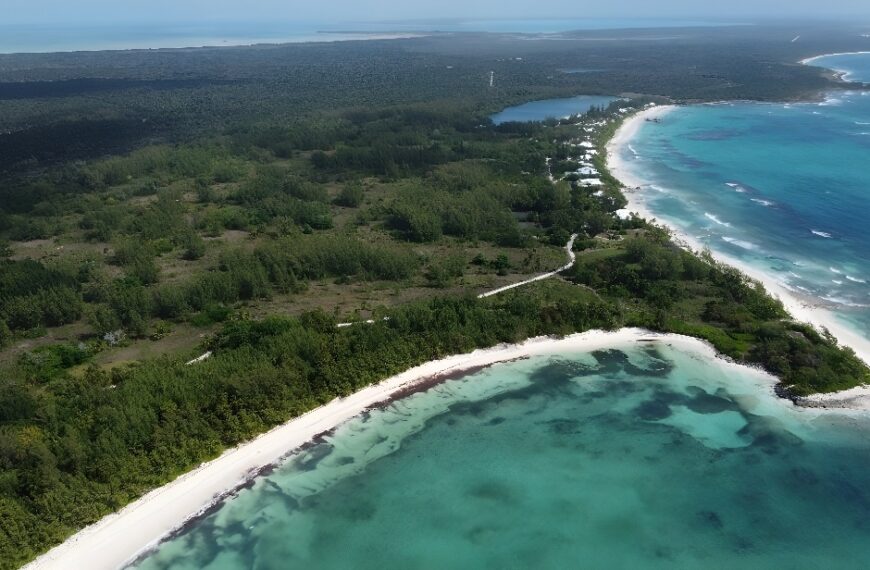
(164, 202)
(35, 296)
(32, 295)
(79, 447)
(277, 267)
(397, 142)
(314, 133)
(75, 447)
(83, 105)
(147, 168)
(484, 199)
(391, 143)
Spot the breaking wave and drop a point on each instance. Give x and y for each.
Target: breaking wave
(737, 187)
(740, 243)
(713, 218)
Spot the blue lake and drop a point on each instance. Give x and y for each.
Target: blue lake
(551, 108)
(643, 456)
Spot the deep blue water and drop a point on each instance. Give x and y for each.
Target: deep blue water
(551, 108)
(637, 457)
(40, 39)
(783, 188)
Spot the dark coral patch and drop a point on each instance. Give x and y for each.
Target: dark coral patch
(653, 410)
(711, 520)
(703, 403)
(564, 426)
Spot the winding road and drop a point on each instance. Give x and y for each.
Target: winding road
(572, 258)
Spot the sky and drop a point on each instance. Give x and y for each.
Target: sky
(109, 11)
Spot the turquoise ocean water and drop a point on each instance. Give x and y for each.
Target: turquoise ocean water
(783, 188)
(642, 456)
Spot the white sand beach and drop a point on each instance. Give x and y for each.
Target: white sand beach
(121, 537)
(801, 309)
(854, 399)
(810, 60)
(842, 74)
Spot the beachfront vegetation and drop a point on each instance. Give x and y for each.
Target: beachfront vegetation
(105, 437)
(262, 219)
(658, 286)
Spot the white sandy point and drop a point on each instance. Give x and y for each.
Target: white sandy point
(810, 60)
(855, 399)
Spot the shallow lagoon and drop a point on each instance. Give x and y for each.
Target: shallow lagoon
(641, 456)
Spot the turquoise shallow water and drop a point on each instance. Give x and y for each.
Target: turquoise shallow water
(783, 188)
(637, 457)
(551, 108)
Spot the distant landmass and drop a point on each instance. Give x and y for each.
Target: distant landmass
(65, 38)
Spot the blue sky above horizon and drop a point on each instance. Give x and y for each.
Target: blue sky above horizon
(35, 12)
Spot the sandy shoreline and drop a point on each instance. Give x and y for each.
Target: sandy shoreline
(122, 537)
(843, 74)
(809, 60)
(800, 309)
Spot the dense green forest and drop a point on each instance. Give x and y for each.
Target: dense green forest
(245, 201)
(60, 106)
